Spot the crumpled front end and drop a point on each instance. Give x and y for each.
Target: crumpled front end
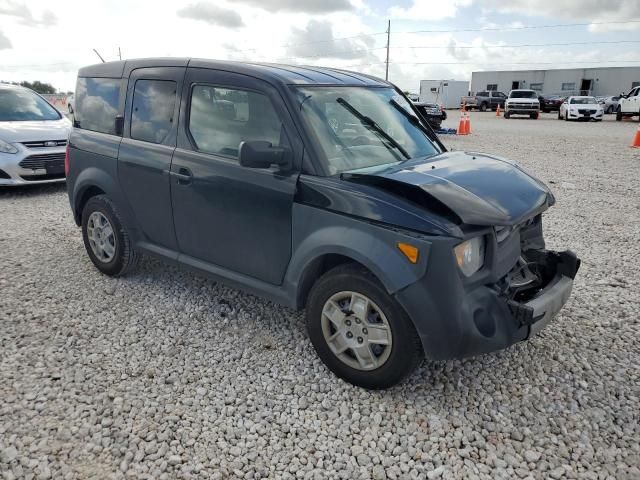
(519, 289)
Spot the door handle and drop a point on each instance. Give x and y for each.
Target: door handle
(183, 176)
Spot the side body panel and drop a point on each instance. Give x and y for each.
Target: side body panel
(143, 170)
(227, 215)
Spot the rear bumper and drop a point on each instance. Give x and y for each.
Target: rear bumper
(470, 321)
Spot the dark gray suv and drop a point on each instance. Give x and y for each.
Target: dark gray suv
(320, 189)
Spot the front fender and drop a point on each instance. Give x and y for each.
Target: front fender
(319, 232)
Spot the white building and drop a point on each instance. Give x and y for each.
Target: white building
(443, 92)
(575, 81)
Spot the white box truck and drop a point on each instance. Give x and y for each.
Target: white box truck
(443, 92)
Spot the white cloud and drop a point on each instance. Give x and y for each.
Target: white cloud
(429, 10)
(4, 41)
(212, 14)
(317, 41)
(306, 6)
(24, 14)
(590, 10)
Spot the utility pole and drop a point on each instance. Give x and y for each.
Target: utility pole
(386, 75)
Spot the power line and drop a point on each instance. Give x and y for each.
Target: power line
(522, 27)
(524, 45)
(494, 64)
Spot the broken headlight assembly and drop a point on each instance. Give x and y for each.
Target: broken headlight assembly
(470, 255)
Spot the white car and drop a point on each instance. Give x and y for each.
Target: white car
(33, 138)
(581, 108)
(522, 102)
(629, 104)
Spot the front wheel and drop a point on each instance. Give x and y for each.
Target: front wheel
(507, 114)
(559, 116)
(483, 107)
(359, 331)
(105, 238)
(619, 114)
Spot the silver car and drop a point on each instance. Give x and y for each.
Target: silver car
(609, 104)
(33, 138)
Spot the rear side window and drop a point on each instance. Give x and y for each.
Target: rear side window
(221, 118)
(152, 112)
(97, 104)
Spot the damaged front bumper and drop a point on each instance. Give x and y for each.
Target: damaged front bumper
(457, 317)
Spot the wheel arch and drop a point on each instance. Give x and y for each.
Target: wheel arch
(324, 239)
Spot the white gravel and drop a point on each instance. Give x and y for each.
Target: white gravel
(165, 374)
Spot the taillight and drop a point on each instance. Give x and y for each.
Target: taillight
(66, 161)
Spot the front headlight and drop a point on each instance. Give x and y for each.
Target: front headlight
(7, 147)
(470, 255)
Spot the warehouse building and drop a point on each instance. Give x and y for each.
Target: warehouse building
(575, 81)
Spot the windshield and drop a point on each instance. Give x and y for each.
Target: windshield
(360, 127)
(523, 94)
(583, 101)
(23, 105)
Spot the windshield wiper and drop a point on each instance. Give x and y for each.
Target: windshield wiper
(372, 125)
(412, 118)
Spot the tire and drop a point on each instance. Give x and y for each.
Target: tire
(619, 114)
(397, 359)
(483, 107)
(609, 109)
(534, 116)
(123, 257)
(70, 109)
(559, 117)
(507, 114)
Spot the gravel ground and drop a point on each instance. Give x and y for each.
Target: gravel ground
(165, 374)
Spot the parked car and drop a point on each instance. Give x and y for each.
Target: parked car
(484, 101)
(581, 108)
(522, 102)
(551, 103)
(629, 104)
(396, 248)
(432, 112)
(33, 138)
(70, 103)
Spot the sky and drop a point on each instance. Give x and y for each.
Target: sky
(430, 39)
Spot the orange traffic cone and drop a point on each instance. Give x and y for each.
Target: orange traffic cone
(468, 127)
(636, 139)
(498, 111)
(462, 125)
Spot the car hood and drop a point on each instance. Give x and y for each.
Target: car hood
(522, 100)
(585, 105)
(14, 132)
(479, 189)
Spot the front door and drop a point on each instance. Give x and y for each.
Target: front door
(151, 113)
(515, 85)
(229, 216)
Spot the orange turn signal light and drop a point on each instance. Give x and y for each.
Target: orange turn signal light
(409, 251)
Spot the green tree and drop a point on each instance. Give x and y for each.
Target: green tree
(36, 86)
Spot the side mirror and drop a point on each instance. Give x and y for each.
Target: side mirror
(261, 154)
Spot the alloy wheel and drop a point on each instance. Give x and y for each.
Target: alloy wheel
(101, 236)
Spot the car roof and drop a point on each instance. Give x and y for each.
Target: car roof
(10, 86)
(272, 72)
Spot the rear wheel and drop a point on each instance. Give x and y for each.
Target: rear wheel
(359, 331)
(609, 109)
(483, 107)
(105, 237)
(559, 116)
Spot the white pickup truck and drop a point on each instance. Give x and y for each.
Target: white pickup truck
(522, 102)
(629, 104)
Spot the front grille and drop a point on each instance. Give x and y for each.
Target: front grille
(39, 178)
(45, 144)
(584, 111)
(37, 162)
(522, 105)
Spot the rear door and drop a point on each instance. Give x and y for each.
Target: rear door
(227, 215)
(144, 160)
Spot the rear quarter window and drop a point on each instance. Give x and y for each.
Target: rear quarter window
(152, 113)
(97, 104)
